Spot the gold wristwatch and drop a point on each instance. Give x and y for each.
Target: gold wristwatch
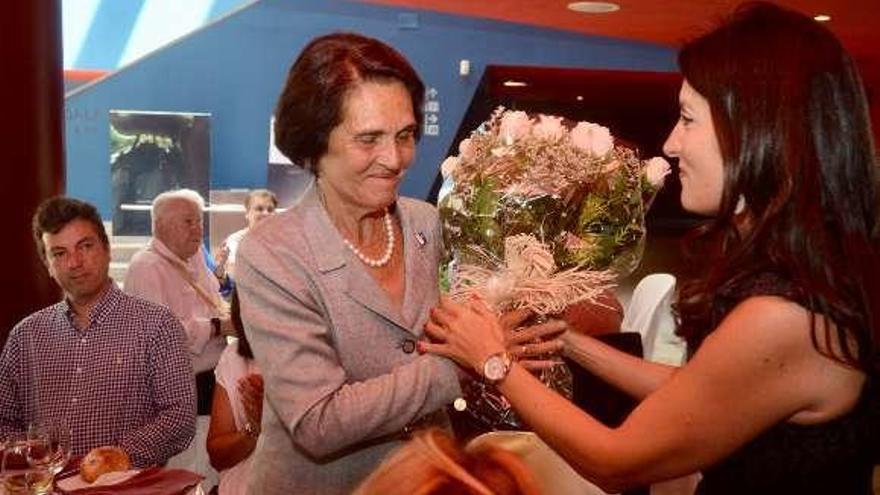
(496, 367)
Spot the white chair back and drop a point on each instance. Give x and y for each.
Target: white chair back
(649, 313)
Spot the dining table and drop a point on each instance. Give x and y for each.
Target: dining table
(154, 480)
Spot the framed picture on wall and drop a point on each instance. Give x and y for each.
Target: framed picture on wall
(154, 152)
(286, 179)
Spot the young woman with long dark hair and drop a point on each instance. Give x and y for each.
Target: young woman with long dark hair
(780, 394)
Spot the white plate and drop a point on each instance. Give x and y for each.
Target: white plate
(77, 483)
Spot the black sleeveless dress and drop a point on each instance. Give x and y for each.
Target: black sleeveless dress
(832, 458)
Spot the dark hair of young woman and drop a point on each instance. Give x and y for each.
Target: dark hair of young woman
(791, 117)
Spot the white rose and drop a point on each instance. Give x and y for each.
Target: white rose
(447, 168)
(656, 171)
(549, 128)
(592, 138)
(513, 126)
(456, 203)
(466, 149)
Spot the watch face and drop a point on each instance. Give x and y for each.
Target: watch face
(494, 368)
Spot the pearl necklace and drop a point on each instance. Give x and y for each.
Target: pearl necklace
(389, 236)
(389, 246)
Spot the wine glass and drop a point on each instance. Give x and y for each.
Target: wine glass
(57, 433)
(23, 468)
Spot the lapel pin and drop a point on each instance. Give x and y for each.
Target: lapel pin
(420, 237)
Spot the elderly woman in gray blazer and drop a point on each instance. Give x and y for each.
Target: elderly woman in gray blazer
(335, 291)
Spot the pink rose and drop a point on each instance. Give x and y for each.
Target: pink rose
(514, 126)
(466, 149)
(592, 138)
(549, 128)
(656, 171)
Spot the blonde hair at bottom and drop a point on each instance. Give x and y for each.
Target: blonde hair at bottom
(432, 463)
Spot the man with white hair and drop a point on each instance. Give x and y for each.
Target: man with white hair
(171, 271)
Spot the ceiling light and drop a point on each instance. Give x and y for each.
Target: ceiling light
(822, 17)
(593, 7)
(580, 98)
(515, 84)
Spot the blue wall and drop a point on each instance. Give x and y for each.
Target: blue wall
(234, 70)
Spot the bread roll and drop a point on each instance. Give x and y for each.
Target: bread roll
(102, 460)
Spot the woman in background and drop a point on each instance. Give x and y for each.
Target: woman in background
(258, 205)
(236, 410)
(781, 392)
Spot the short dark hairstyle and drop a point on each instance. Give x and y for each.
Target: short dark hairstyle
(260, 193)
(55, 213)
(792, 123)
(330, 66)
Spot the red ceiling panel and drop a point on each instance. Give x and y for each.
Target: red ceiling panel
(668, 22)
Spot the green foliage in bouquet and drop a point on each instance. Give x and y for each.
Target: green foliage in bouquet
(611, 223)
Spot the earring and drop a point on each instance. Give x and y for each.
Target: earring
(740, 205)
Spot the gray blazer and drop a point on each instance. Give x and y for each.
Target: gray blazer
(342, 379)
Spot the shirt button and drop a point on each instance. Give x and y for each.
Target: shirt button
(74, 400)
(82, 340)
(79, 369)
(408, 346)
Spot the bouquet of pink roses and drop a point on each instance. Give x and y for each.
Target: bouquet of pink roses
(541, 214)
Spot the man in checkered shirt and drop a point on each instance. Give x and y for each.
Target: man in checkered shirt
(114, 367)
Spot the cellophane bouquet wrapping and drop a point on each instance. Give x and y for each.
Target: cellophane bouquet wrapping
(540, 213)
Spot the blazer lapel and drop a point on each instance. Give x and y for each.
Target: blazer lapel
(421, 274)
(364, 289)
(332, 256)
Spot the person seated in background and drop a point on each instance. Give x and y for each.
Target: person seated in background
(236, 411)
(781, 392)
(171, 270)
(113, 367)
(432, 463)
(258, 205)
